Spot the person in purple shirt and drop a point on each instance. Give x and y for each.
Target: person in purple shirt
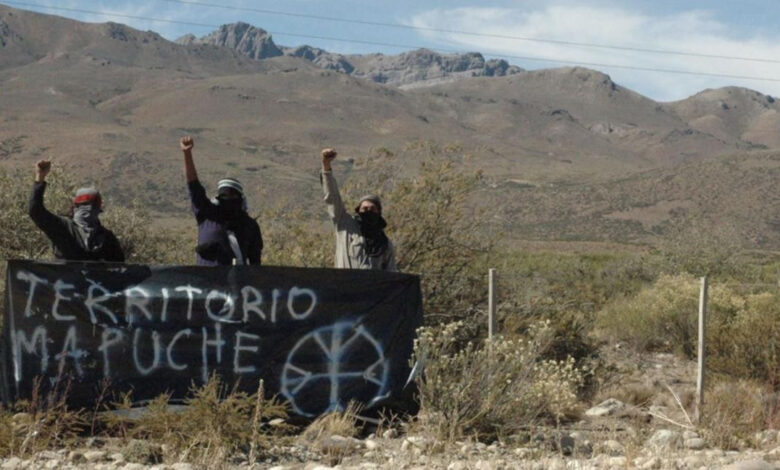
(227, 235)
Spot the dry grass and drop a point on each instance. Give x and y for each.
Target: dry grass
(330, 433)
(217, 422)
(733, 412)
(43, 422)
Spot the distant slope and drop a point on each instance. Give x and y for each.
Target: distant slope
(733, 114)
(734, 194)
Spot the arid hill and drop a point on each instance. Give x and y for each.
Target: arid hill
(110, 102)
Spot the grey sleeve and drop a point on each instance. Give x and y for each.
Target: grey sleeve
(391, 266)
(336, 210)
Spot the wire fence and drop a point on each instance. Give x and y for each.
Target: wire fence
(550, 60)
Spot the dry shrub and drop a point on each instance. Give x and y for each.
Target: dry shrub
(339, 423)
(144, 243)
(43, 422)
(664, 316)
(319, 435)
(216, 423)
(491, 389)
(293, 237)
(747, 344)
(733, 412)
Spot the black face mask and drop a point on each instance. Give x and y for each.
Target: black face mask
(370, 222)
(230, 206)
(371, 227)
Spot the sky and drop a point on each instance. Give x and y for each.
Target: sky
(532, 34)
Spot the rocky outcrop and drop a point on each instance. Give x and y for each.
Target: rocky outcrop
(321, 58)
(421, 66)
(241, 37)
(426, 65)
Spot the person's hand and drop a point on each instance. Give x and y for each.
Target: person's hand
(327, 156)
(42, 168)
(186, 144)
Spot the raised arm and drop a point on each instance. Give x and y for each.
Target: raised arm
(44, 219)
(338, 213)
(186, 145)
(200, 202)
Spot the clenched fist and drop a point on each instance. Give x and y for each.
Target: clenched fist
(327, 156)
(186, 144)
(42, 168)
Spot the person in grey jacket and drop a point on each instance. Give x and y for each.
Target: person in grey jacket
(361, 242)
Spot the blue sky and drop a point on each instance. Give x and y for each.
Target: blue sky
(744, 29)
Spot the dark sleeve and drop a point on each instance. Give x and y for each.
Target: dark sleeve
(200, 202)
(52, 225)
(256, 247)
(114, 250)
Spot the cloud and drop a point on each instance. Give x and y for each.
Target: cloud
(694, 30)
(139, 15)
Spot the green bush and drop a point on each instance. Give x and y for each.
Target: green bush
(743, 328)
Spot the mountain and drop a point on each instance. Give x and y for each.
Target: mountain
(566, 152)
(243, 38)
(733, 115)
(415, 68)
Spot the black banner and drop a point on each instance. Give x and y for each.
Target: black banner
(317, 337)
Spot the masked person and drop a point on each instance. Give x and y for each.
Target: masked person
(80, 237)
(226, 233)
(361, 242)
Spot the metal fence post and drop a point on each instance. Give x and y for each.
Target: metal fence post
(701, 351)
(492, 321)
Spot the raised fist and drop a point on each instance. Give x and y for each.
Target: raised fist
(328, 154)
(42, 168)
(186, 144)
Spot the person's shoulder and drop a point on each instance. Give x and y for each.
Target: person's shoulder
(251, 221)
(109, 233)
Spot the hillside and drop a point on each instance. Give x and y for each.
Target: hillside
(730, 200)
(576, 154)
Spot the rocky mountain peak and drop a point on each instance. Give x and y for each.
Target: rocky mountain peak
(242, 37)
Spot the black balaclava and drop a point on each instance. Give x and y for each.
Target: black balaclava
(372, 226)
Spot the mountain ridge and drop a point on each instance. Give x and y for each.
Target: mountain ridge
(416, 67)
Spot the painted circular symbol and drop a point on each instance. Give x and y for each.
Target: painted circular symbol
(331, 366)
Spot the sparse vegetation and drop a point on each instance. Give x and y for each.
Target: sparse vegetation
(734, 411)
(555, 309)
(492, 389)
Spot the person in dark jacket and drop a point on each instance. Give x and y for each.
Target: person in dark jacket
(80, 237)
(226, 233)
